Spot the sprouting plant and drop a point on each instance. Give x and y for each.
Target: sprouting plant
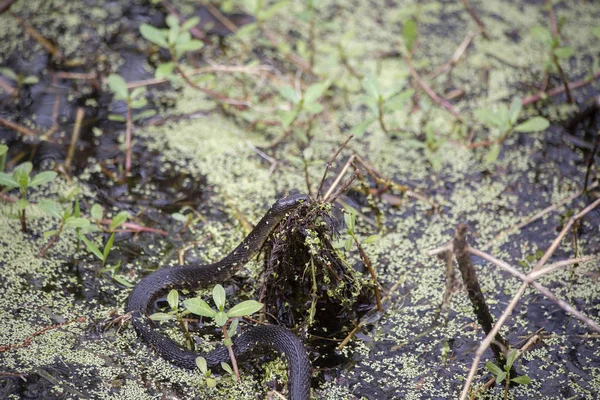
(502, 121)
(177, 39)
(135, 99)
(431, 145)
(177, 313)
(187, 219)
(304, 102)
(19, 78)
(224, 318)
(69, 218)
(555, 52)
(209, 380)
(3, 151)
(504, 374)
(95, 250)
(381, 103)
(21, 179)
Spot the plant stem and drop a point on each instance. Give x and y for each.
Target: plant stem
(188, 337)
(231, 354)
(128, 129)
(52, 241)
(380, 114)
(23, 222)
(371, 270)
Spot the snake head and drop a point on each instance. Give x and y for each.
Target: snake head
(290, 202)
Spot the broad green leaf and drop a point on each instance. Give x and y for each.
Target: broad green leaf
(199, 307)
(173, 299)
(173, 32)
(31, 80)
(74, 222)
(96, 212)
(233, 326)
(371, 239)
(288, 117)
(120, 279)
(535, 124)
(313, 108)
(42, 178)
(164, 70)
(398, 102)
(91, 247)
(154, 35)
(492, 155)
(493, 368)
(315, 91)
(500, 377)
(190, 23)
(144, 114)
(179, 217)
(118, 220)
(21, 204)
(138, 92)
(244, 308)
(108, 247)
(371, 86)
(172, 21)
(359, 130)
(8, 180)
(201, 363)
(409, 34)
(52, 232)
(9, 73)
(50, 208)
(21, 173)
(349, 219)
(221, 318)
(219, 296)
(510, 358)
(289, 93)
(542, 34)
(159, 316)
(348, 244)
(489, 117)
(515, 109)
(563, 52)
(118, 86)
(211, 382)
(183, 37)
(246, 30)
(521, 380)
(138, 103)
(227, 368)
(192, 45)
(3, 149)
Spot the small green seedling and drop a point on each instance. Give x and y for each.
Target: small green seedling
(222, 318)
(21, 179)
(307, 101)
(502, 121)
(502, 375)
(69, 218)
(381, 103)
(348, 238)
(177, 39)
(175, 313)
(555, 51)
(19, 78)
(93, 248)
(209, 379)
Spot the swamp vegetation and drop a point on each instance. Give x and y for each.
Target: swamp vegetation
(452, 249)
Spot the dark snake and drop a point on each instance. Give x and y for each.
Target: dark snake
(260, 339)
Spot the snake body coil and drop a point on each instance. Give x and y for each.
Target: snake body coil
(258, 339)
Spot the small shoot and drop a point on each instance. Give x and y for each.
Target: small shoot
(504, 374)
(306, 103)
(207, 375)
(224, 318)
(21, 178)
(19, 78)
(135, 99)
(175, 313)
(70, 218)
(3, 152)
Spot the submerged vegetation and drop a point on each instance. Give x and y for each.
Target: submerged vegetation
(143, 135)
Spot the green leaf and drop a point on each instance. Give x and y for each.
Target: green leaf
(42, 178)
(138, 103)
(596, 31)
(371, 86)
(138, 92)
(154, 35)
(246, 30)
(493, 368)
(228, 342)
(542, 34)
(116, 118)
(173, 299)
(500, 377)
(192, 45)
(348, 244)
(535, 124)
(371, 239)
(398, 102)
(211, 382)
(489, 117)
(172, 21)
(9, 73)
(173, 32)
(21, 174)
(118, 220)
(510, 359)
(77, 222)
(492, 155)
(21, 204)
(244, 308)
(219, 296)
(183, 37)
(313, 108)
(108, 247)
(349, 219)
(201, 363)
(270, 12)
(359, 130)
(221, 318)
(563, 52)
(289, 93)
(288, 117)
(144, 114)
(120, 279)
(52, 232)
(159, 316)
(3, 149)
(190, 23)
(521, 380)
(118, 86)
(233, 326)
(76, 208)
(199, 307)
(227, 368)
(179, 217)
(91, 247)
(409, 33)
(30, 80)
(96, 212)
(8, 180)
(515, 109)
(315, 91)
